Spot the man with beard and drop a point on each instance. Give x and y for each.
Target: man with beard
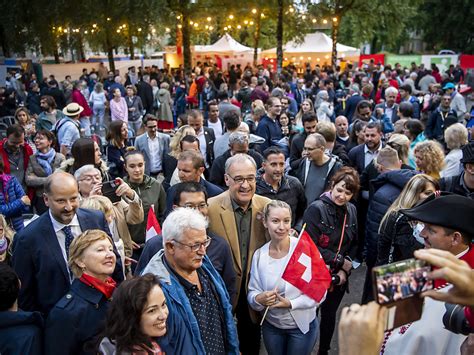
(437, 121)
(50, 115)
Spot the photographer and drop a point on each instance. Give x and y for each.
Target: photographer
(332, 224)
(445, 227)
(128, 207)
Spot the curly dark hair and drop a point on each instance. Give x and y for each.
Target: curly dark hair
(122, 325)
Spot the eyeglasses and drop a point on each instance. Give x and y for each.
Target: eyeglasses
(200, 207)
(89, 178)
(197, 246)
(240, 179)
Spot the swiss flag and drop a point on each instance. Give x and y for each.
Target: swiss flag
(152, 226)
(306, 269)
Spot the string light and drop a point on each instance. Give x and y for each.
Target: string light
(209, 19)
(153, 30)
(167, 29)
(231, 17)
(254, 11)
(92, 31)
(139, 29)
(118, 30)
(65, 30)
(180, 26)
(325, 21)
(211, 28)
(191, 22)
(314, 20)
(262, 15)
(246, 22)
(251, 23)
(239, 27)
(334, 19)
(85, 32)
(178, 17)
(108, 18)
(196, 24)
(94, 25)
(292, 10)
(303, 17)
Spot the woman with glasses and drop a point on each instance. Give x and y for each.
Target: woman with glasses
(149, 190)
(42, 164)
(291, 325)
(76, 318)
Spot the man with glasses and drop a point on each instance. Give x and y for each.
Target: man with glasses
(317, 168)
(195, 293)
(154, 146)
(236, 215)
(193, 195)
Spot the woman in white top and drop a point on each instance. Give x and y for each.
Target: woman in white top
(97, 102)
(291, 325)
(455, 137)
(324, 109)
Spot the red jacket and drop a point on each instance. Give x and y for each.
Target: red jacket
(27, 152)
(468, 258)
(79, 99)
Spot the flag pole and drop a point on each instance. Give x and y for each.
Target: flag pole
(281, 273)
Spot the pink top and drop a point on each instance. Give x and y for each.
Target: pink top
(118, 110)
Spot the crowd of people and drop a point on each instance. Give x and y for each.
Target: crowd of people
(233, 165)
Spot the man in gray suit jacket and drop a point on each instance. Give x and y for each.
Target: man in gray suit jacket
(153, 145)
(389, 107)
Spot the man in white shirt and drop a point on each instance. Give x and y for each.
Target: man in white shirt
(154, 146)
(213, 121)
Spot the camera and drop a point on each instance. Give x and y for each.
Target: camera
(455, 320)
(335, 279)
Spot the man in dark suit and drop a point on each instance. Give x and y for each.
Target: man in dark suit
(310, 120)
(145, 92)
(190, 168)
(41, 249)
(205, 135)
(352, 101)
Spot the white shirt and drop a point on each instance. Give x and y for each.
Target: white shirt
(216, 126)
(369, 155)
(202, 145)
(58, 226)
(155, 158)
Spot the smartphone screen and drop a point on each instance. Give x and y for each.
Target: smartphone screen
(401, 280)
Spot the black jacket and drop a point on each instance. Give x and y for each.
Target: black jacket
(296, 149)
(456, 185)
(387, 187)
(324, 220)
(145, 92)
(291, 191)
(396, 232)
(210, 139)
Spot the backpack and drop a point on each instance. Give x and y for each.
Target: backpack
(57, 127)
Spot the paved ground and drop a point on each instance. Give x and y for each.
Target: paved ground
(356, 285)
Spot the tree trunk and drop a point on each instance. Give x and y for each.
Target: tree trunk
(187, 60)
(131, 46)
(110, 50)
(256, 39)
(4, 42)
(334, 35)
(279, 35)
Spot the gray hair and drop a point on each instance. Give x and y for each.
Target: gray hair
(239, 158)
(238, 138)
(319, 138)
(84, 169)
(456, 136)
(392, 90)
(180, 220)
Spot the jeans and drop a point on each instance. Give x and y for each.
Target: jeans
(98, 116)
(134, 126)
(86, 126)
(290, 341)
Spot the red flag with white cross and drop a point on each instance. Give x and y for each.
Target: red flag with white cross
(153, 227)
(306, 269)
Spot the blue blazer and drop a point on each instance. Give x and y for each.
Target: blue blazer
(39, 262)
(357, 157)
(77, 318)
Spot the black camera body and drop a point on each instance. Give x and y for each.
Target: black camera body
(455, 320)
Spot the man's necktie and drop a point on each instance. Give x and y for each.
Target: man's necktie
(69, 238)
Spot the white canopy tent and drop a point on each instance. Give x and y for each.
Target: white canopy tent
(225, 51)
(316, 47)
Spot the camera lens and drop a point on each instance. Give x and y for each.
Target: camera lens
(455, 321)
(335, 279)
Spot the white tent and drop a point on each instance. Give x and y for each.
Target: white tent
(315, 46)
(226, 44)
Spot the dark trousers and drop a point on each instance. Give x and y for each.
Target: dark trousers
(368, 292)
(362, 208)
(328, 318)
(249, 332)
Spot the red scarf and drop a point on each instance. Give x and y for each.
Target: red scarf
(107, 288)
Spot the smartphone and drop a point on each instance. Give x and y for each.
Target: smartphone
(397, 286)
(401, 280)
(109, 189)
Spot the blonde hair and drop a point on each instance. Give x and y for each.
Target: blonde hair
(299, 115)
(275, 204)
(409, 196)
(401, 144)
(433, 157)
(98, 203)
(327, 130)
(455, 136)
(7, 233)
(183, 131)
(80, 244)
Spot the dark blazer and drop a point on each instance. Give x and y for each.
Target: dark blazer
(357, 157)
(383, 106)
(210, 139)
(77, 317)
(218, 251)
(296, 149)
(39, 262)
(351, 105)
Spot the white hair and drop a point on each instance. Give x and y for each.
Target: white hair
(84, 169)
(392, 90)
(181, 220)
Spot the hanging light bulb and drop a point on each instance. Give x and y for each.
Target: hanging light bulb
(314, 20)
(231, 17)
